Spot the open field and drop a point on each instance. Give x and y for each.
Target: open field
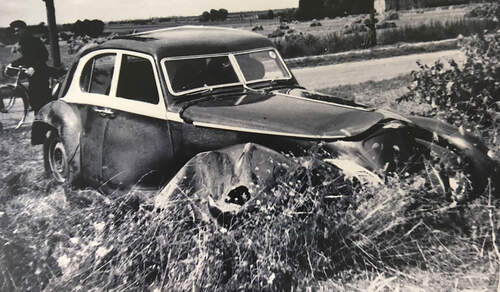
(410, 17)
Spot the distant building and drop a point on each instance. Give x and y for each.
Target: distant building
(385, 5)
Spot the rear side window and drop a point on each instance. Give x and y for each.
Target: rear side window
(136, 80)
(97, 74)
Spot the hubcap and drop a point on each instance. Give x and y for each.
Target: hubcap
(58, 161)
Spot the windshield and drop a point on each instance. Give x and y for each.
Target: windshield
(189, 74)
(192, 74)
(264, 65)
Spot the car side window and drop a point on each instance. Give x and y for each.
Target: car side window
(136, 80)
(97, 74)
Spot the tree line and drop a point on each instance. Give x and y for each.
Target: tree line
(214, 15)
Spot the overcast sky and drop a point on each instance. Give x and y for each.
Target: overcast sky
(68, 11)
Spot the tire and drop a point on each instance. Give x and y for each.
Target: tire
(11, 95)
(455, 174)
(56, 159)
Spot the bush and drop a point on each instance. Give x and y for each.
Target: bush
(467, 95)
(276, 33)
(355, 28)
(367, 21)
(283, 26)
(391, 15)
(315, 23)
(385, 24)
(490, 10)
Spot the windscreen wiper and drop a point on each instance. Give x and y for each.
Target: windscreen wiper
(200, 91)
(283, 83)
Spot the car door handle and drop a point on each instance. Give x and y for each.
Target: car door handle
(104, 112)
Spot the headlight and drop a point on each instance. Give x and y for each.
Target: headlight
(394, 125)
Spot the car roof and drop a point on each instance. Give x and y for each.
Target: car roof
(187, 41)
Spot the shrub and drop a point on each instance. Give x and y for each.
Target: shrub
(489, 10)
(315, 23)
(367, 21)
(355, 28)
(385, 24)
(467, 95)
(391, 15)
(257, 28)
(283, 26)
(276, 33)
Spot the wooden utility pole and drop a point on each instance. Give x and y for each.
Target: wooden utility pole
(53, 37)
(372, 29)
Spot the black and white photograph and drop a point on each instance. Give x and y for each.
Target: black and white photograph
(291, 145)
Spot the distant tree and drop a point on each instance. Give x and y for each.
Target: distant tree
(92, 28)
(39, 29)
(214, 14)
(205, 16)
(270, 14)
(66, 27)
(223, 13)
(96, 28)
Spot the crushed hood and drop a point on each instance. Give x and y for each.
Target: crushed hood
(285, 112)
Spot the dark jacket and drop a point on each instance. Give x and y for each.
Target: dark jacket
(33, 51)
(34, 54)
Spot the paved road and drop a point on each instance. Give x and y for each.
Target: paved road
(379, 69)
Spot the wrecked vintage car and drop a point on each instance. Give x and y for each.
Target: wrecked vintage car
(133, 110)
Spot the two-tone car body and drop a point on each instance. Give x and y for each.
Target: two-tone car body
(134, 109)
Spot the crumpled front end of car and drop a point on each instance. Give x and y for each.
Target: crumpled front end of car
(389, 147)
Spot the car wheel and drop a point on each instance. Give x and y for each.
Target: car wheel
(56, 159)
(452, 174)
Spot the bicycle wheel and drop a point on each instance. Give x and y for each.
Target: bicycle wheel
(16, 106)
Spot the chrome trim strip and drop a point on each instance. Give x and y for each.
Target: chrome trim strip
(326, 102)
(247, 130)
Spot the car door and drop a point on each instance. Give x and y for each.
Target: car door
(91, 97)
(137, 148)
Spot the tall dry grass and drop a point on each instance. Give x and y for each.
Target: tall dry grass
(291, 237)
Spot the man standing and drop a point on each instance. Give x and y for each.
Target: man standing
(35, 55)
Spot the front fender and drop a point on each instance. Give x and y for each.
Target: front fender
(63, 118)
(466, 145)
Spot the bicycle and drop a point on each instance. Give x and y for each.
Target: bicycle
(14, 98)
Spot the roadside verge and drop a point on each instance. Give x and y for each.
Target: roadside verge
(374, 53)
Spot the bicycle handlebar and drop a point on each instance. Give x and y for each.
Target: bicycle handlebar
(20, 69)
